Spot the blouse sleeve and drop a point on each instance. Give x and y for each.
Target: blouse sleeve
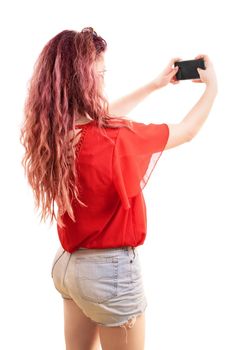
(135, 156)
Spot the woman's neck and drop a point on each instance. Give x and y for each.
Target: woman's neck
(83, 120)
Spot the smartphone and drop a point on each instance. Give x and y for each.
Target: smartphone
(188, 69)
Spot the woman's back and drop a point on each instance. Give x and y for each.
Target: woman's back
(111, 176)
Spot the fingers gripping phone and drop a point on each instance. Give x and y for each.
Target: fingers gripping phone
(188, 69)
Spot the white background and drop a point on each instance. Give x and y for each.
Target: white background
(187, 256)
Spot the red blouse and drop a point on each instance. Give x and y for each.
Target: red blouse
(111, 178)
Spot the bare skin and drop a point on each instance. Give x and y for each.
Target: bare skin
(83, 334)
(124, 338)
(80, 332)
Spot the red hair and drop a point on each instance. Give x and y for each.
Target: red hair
(64, 87)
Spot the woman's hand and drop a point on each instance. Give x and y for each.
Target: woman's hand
(207, 75)
(167, 75)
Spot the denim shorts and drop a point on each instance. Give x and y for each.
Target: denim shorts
(105, 283)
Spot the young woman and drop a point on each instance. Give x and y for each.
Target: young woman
(87, 158)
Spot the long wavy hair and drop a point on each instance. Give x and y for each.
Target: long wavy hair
(64, 87)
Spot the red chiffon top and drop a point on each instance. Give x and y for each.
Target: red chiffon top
(111, 176)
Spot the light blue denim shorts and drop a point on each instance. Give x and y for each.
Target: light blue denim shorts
(106, 284)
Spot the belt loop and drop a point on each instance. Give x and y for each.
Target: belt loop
(130, 251)
(133, 252)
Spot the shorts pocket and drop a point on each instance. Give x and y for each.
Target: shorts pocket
(97, 278)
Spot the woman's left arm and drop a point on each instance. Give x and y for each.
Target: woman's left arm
(125, 104)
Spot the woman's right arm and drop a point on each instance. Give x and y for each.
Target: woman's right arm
(193, 121)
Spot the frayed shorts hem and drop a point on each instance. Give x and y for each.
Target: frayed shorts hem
(122, 323)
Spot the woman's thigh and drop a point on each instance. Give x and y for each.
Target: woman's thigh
(80, 331)
(131, 336)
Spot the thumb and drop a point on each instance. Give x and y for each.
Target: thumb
(173, 71)
(199, 70)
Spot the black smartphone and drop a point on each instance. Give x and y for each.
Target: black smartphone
(188, 69)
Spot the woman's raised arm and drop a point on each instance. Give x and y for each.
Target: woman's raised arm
(193, 121)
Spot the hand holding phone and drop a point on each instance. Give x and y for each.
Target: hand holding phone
(188, 69)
